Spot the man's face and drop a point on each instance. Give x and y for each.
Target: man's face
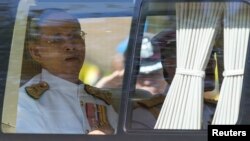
(61, 48)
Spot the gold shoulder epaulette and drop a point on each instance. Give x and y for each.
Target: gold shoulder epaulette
(104, 95)
(36, 90)
(151, 102)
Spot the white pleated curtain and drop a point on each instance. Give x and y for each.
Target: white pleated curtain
(196, 23)
(236, 34)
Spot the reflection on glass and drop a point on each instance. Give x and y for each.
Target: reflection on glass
(48, 102)
(56, 94)
(146, 108)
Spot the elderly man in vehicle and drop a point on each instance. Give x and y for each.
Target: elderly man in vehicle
(56, 101)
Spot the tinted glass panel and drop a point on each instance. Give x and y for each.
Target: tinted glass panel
(58, 57)
(189, 62)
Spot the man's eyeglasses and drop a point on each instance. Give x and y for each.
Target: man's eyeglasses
(59, 39)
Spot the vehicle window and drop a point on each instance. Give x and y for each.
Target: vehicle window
(190, 59)
(59, 61)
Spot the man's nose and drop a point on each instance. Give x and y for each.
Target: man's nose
(69, 45)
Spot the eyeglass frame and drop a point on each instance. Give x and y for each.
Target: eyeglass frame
(53, 41)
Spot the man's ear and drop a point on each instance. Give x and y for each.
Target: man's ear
(34, 51)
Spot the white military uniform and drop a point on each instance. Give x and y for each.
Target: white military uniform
(59, 109)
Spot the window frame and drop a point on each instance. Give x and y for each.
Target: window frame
(137, 30)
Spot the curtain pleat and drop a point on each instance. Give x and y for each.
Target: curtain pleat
(196, 23)
(236, 34)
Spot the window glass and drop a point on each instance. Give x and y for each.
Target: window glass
(182, 65)
(59, 61)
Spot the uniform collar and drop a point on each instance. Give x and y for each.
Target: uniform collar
(57, 83)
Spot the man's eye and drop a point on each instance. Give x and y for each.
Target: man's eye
(57, 40)
(77, 36)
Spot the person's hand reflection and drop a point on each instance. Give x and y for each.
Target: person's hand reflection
(96, 132)
(102, 131)
(112, 81)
